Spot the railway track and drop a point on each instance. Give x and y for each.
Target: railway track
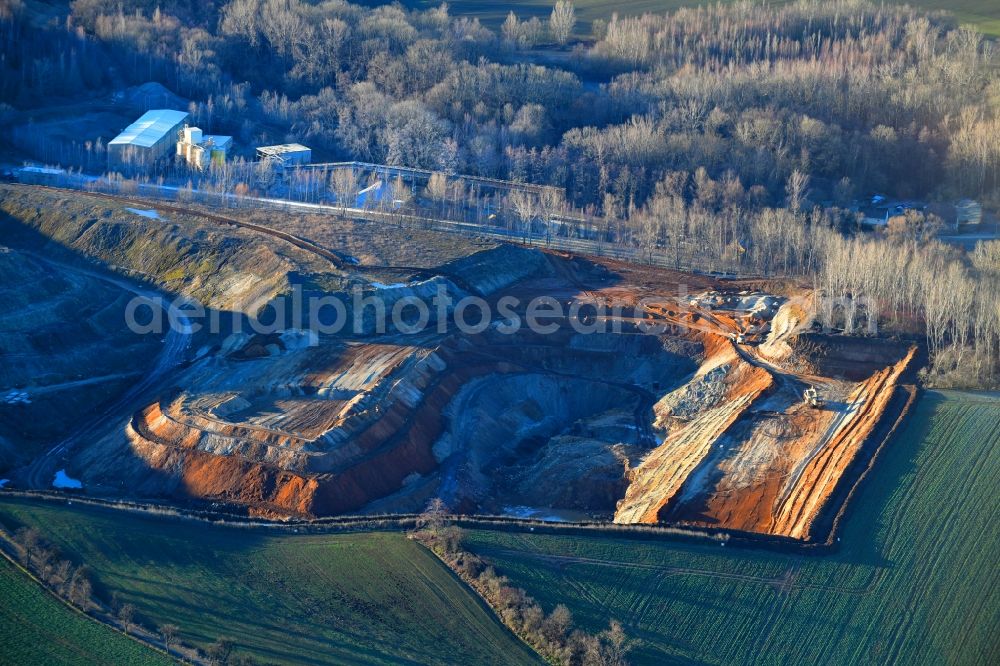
(338, 260)
(299, 242)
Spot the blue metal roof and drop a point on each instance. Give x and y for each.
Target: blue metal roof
(150, 128)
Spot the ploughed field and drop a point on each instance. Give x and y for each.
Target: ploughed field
(652, 396)
(912, 578)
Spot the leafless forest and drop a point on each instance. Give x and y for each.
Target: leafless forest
(730, 137)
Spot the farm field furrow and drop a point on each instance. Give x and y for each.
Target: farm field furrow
(913, 579)
(336, 599)
(35, 628)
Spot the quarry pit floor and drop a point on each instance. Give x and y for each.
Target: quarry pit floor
(666, 397)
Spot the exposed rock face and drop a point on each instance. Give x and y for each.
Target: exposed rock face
(659, 478)
(489, 271)
(814, 479)
(280, 423)
(703, 392)
(700, 423)
(341, 426)
(558, 433)
(743, 451)
(579, 473)
(845, 357)
(313, 426)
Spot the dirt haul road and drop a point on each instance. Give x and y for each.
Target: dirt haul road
(176, 342)
(282, 425)
(751, 455)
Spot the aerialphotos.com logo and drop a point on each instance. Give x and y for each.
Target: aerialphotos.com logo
(363, 311)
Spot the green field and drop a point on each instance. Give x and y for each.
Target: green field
(37, 629)
(348, 599)
(984, 14)
(915, 580)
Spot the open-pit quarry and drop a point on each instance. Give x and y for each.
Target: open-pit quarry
(660, 397)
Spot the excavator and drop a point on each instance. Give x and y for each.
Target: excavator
(813, 398)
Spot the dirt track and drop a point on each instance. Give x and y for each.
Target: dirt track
(175, 345)
(807, 490)
(758, 460)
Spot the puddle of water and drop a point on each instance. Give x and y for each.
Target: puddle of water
(63, 480)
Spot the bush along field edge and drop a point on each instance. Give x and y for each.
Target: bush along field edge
(30, 554)
(553, 636)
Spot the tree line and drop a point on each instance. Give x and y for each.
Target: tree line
(897, 280)
(860, 97)
(553, 635)
(734, 138)
(73, 583)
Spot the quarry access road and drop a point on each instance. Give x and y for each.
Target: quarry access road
(77, 383)
(302, 243)
(40, 473)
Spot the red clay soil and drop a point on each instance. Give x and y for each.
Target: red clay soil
(801, 500)
(784, 467)
(743, 500)
(753, 458)
(660, 477)
(754, 465)
(395, 443)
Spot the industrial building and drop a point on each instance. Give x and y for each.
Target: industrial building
(199, 150)
(285, 154)
(147, 140)
(968, 212)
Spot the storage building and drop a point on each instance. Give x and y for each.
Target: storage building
(285, 154)
(147, 140)
(199, 150)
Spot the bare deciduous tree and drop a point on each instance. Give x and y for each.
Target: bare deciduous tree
(169, 634)
(80, 588)
(796, 190)
(437, 188)
(511, 29)
(562, 20)
(344, 183)
(525, 206)
(126, 615)
(240, 17)
(433, 516)
(30, 541)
